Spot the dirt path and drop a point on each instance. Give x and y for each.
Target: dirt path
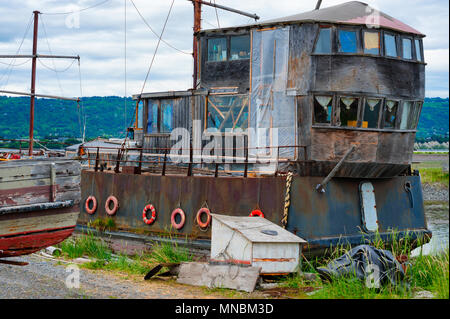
(45, 278)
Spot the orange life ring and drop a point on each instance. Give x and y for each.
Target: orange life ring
(256, 212)
(180, 212)
(94, 205)
(144, 214)
(201, 211)
(112, 211)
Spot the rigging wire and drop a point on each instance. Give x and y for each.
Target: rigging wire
(76, 11)
(156, 34)
(14, 65)
(51, 53)
(217, 15)
(81, 109)
(157, 46)
(125, 63)
(55, 70)
(9, 68)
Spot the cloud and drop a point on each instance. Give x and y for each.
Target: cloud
(99, 40)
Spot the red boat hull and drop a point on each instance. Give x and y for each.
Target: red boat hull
(28, 243)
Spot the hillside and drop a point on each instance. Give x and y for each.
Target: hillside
(105, 116)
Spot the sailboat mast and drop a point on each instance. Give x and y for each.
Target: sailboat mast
(33, 80)
(197, 27)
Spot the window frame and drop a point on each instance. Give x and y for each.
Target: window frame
(332, 38)
(207, 97)
(403, 37)
(397, 118)
(363, 108)
(420, 49)
(332, 115)
(338, 109)
(358, 40)
(227, 38)
(229, 59)
(400, 112)
(396, 45)
(380, 43)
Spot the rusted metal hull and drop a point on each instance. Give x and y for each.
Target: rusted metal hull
(323, 219)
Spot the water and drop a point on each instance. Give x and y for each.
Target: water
(437, 218)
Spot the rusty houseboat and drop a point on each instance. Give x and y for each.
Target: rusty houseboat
(312, 117)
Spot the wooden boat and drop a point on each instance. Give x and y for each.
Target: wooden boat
(38, 204)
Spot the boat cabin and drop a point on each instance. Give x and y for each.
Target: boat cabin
(304, 88)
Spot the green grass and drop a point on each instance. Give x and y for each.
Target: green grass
(434, 175)
(91, 246)
(425, 272)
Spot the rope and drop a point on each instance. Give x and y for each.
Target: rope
(217, 15)
(125, 64)
(287, 200)
(57, 71)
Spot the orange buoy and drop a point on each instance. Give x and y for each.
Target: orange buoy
(111, 211)
(256, 212)
(201, 211)
(94, 205)
(176, 212)
(144, 214)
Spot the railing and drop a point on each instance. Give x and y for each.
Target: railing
(163, 159)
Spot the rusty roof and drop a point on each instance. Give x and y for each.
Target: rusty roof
(353, 13)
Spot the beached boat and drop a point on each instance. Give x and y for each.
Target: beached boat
(39, 204)
(308, 120)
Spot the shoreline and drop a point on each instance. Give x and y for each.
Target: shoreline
(434, 192)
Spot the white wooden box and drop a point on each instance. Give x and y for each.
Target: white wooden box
(254, 241)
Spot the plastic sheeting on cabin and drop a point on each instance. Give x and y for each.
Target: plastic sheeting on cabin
(272, 111)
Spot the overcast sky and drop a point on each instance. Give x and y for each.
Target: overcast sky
(98, 36)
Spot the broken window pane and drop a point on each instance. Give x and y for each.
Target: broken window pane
(415, 114)
(322, 109)
(348, 111)
(407, 48)
(390, 46)
(217, 49)
(227, 112)
(347, 41)
(323, 44)
(406, 114)
(371, 113)
(240, 47)
(390, 113)
(166, 114)
(418, 50)
(372, 42)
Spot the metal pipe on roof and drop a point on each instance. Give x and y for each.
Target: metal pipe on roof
(253, 16)
(319, 2)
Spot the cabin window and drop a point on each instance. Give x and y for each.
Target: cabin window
(323, 106)
(371, 42)
(217, 49)
(371, 113)
(140, 115)
(227, 112)
(348, 41)
(348, 112)
(240, 47)
(390, 46)
(407, 48)
(323, 44)
(152, 122)
(390, 113)
(166, 117)
(405, 120)
(418, 50)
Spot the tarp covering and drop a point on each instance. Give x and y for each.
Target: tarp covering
(366, 263)
(272, 112)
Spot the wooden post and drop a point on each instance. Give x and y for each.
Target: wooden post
(33, 80)
(197, 28)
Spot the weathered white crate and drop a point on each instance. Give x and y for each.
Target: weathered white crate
(246, 241)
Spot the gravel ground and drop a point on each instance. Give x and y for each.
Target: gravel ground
(45, 278)
(434, 192)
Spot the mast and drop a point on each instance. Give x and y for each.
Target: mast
(33, 81)
(197, 27)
